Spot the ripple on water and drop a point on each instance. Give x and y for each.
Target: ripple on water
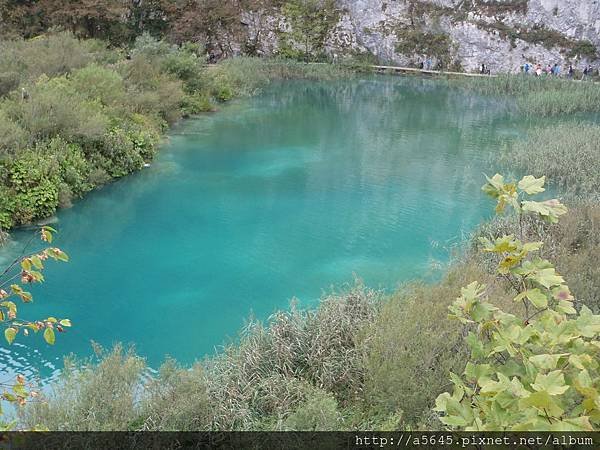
(278, 196)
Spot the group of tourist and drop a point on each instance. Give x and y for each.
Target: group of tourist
(555, 70)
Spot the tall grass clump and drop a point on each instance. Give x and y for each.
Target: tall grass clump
(567, 153)
(175, 400)
(90, 395)
(278, 367)
(538, 96)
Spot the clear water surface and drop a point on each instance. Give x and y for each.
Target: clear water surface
(283, 195)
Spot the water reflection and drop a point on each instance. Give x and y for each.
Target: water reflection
(277, 196)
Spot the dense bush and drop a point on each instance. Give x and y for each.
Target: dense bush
(52, 55)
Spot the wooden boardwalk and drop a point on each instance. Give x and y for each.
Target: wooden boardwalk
(397, 69)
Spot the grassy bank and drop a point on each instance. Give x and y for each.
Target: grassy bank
(76, 114)
(538, 96)
(567, 153)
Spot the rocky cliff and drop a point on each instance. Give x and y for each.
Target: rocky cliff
(503, 34)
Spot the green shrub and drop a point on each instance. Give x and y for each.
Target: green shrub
(196, 103)
(411, 347)
(74, 169)
(319, 412)
(56, 108)
(122, 156)
(53, 54)
(151, 91)
(176, 400)
(32, 183)
(12, 137)
(98, 83)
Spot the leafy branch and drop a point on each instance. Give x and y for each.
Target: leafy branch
(536, 372)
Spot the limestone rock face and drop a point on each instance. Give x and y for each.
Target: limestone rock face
(503, 34)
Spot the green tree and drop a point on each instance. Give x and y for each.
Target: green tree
(26, 269)
(310, 20)
(539, 370)
(88, 18)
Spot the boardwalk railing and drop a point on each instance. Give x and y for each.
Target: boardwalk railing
(426, 71)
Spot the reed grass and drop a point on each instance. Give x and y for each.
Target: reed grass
(538, 96)
(568, 154)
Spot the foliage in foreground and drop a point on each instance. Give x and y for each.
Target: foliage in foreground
(538, 370)
(26, 269)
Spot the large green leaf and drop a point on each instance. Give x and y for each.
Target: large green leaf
(10, 334)
(542, 401)
(532, 185)
(549, 210)
(553, 383)
(547, 277)
(49, 336)
(537, 297)
(545, 361)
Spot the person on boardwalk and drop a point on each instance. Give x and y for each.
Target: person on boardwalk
(571, 71)
(526, 67)
(538, 70)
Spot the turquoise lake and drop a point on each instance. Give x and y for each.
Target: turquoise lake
(287, 194)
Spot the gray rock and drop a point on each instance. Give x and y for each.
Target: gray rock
(477, 36)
